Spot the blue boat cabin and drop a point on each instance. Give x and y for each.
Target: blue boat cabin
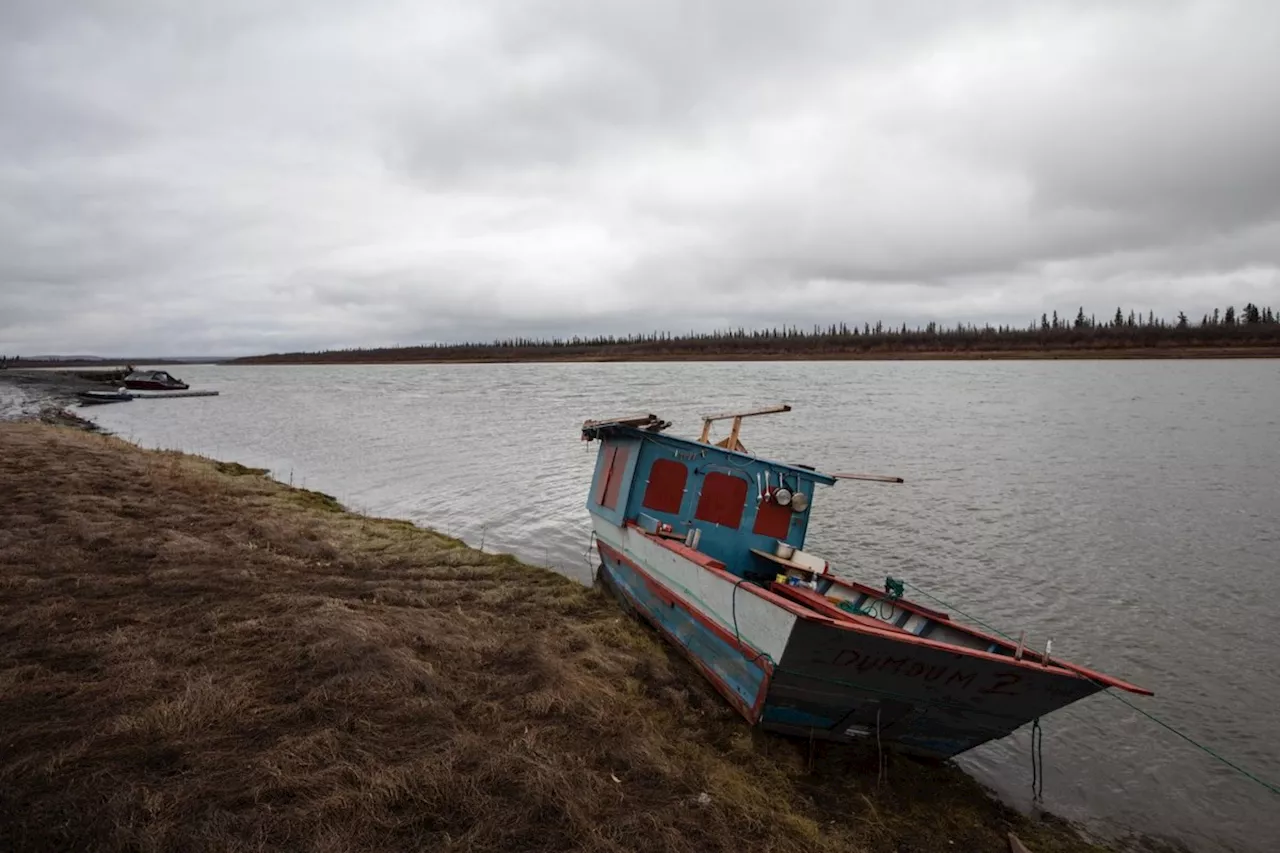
(719, 500)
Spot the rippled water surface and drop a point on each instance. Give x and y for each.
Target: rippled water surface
(1127, 510)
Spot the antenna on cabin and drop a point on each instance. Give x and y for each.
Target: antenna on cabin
(731, 442)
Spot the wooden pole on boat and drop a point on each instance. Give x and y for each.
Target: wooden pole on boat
(732, 442)
(875, 478)
(770, 410)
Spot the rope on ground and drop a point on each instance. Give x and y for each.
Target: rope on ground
(1037, 762)
(1152, 717)
(593, 568)
(881, 767)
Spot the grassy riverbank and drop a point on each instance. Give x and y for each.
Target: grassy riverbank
(194, 657)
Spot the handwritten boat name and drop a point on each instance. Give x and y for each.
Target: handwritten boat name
(995, 684)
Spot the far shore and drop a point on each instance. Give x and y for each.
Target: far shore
(1133, 353)
(377, 357)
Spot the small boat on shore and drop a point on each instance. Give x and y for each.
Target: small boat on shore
(153, 380)
(171, 395)
(706, 543)
(95, 398)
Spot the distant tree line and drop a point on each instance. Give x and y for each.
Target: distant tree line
(1251, 327)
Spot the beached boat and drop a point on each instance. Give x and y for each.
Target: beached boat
(706, 542)
(95, 398)
(153, 380)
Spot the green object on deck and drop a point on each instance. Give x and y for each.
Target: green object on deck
(893, 588)
(850, 607)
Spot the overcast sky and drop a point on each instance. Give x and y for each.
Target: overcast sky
(235, 177)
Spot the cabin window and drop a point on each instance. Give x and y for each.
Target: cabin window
(722, 499)
(772, 520)
(665, 491)
(611, 472)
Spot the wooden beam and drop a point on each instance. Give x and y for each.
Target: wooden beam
(637, 421)
(728, 444)
(733, 432)
(724, 416)
(733, 442)
(876, 478)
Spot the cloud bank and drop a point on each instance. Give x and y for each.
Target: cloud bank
(245, 177)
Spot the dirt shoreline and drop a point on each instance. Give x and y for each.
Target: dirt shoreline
(196, 657)
(42, 396)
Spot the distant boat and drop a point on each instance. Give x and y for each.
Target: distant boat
(94, 398)
(705, 542)
(153, 380)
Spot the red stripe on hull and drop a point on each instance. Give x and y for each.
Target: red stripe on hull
(756, 657)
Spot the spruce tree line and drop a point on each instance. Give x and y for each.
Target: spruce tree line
(1251, 326)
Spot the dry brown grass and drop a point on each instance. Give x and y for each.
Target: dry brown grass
(193, 657)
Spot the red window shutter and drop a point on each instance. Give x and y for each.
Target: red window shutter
(606, 469)
(772, 520)
(665, 491)
(722, 499)
(613, 479)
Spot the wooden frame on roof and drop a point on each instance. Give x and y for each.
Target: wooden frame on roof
(731, 442)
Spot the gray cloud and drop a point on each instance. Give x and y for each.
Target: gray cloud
(249, 176)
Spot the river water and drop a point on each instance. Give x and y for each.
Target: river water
(1127, 510)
